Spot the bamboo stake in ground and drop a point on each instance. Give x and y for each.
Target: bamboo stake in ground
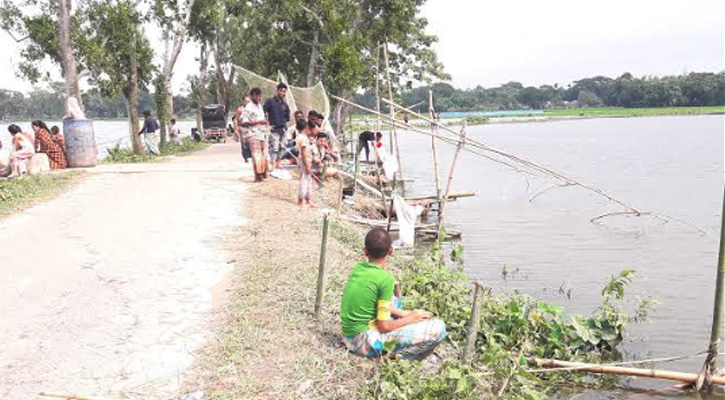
(473, 324)
(377, 87)
(444, 200)
(393, 132)
(614, 370)
(321, 268)
(434, 131)
(704, 381)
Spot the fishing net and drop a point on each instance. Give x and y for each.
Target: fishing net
(298, 98)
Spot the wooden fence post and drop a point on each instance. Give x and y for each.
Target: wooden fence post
(473, 324)
(321, 268)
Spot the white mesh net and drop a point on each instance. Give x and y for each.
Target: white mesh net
(304, 99)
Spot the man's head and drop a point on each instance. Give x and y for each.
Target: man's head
(321, 139)
(281, 90)
(299, 115)
(378, 244)
(256, 95)
(173, 121)
(314, 116)
(378, 135)
(147, 113)
(300, 124)
(313, 128)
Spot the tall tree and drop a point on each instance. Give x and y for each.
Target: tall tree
(172, 16)
(45, 30)
(119, 56)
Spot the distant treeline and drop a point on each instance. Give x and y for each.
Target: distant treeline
(689, 90)
(48, 104)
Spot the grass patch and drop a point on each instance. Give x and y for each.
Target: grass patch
(20, 193)
(126, 155)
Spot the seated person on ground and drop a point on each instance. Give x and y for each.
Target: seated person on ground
(327, 157)
(371, 321)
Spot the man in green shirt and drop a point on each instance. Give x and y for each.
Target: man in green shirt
(371, 321)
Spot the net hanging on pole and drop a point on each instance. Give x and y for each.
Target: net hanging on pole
(298, 98)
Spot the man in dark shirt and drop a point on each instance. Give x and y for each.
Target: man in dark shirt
(150, 139)
(278, 115)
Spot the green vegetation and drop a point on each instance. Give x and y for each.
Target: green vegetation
(636, 112)
(513, 327)
(20, 193)
(126, 155)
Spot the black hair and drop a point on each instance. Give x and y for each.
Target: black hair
(378, 243)
(300, 124)
(147, 113)
(173, 121)
(322, 135)
(299, 112)
(378, 135)
(254, 91)
(313, 113)
(281, 85)
(54, 129)
(14, 129)
(312, 124)
(40, 124)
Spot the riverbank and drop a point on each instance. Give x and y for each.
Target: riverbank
(268, 346)
(17, 194)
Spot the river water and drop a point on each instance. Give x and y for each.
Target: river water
(666, 165)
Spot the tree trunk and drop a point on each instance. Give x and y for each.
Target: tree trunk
(224, 85)
(68, 61)
(313, 59)
(201, 86)
(133, 99)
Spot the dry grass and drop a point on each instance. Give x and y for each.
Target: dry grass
(269, 346)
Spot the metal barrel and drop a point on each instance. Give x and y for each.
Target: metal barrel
(80, 143)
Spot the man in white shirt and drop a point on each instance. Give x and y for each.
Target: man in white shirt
(257, 128)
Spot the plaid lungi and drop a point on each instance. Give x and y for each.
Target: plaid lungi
(412, 342)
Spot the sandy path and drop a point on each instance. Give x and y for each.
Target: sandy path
(109, 286)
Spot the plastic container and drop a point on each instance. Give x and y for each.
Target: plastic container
(80, 143)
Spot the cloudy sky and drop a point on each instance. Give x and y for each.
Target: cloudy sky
(535, 42)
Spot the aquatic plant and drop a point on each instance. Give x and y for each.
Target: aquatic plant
(513, 327)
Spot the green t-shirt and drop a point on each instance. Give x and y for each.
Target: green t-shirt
(366, 298)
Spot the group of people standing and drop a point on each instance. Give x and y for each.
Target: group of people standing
(269, 135)
(15, 161)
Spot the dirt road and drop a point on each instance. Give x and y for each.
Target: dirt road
(109, 286)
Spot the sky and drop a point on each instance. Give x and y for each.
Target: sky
(489, 43)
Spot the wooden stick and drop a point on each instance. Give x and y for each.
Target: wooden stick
(641, 372)
(361, 183)
(393, 132)
(434, 197)
(377, 87)
(390, 210)
(444, 200)
(708, 367)
(434, 130)
(340, 194)
(473, 324)
(321, 268)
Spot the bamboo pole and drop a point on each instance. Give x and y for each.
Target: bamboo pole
(444, 200)
(704, 381)
(377, 87)
(434, 130)
(321, 268)
(70, 396)
(605, 369)
(357, 170)
(473, 324)
(340, 194)
(390, 210)
(393, 132)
